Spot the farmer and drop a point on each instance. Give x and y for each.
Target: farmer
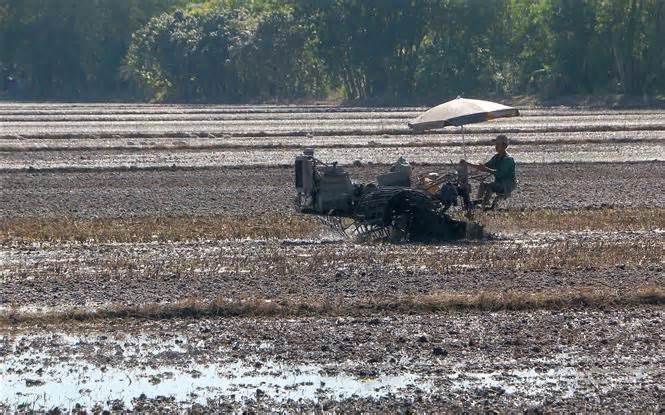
(502, 166)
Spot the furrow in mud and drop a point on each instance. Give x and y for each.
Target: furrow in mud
(27, 109)
(151, 260)
(287, 131)
(66, 160)
(260, 191)
(299, 142)
(451, 362)
(101, 108)
(286, 117)
(344, 274)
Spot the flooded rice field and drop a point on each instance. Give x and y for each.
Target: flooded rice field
(336, 273)
(123, 159)
(151, 261)
(50, 137)
(469, 361)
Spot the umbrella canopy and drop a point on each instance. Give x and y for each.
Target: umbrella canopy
(462, 111)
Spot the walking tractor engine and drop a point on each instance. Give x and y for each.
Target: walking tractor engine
(388, 209)
(323, 189)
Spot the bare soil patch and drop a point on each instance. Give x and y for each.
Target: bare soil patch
(283, 226)
(268, 191)
(151, 260)
(455, 361)
(94, 274)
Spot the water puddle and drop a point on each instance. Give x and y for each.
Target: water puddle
(529, 382)
(120, 371)
(532, 385)
(64, 385)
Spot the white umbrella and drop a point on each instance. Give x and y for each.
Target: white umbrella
(461, 111)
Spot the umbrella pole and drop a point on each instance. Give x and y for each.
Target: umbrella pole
(463, 143)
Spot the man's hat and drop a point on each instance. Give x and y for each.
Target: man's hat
(500, 139)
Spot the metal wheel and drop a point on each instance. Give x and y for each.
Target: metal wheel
(339, 225)
(353, 228)
(400, 227)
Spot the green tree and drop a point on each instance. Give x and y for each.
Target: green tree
(188, 56)
(280, 61)
(579, 61)
(369, 47)
(633, 30)
(218, 55)
(462, 50)
(71, 48)
(385, 51)
(529, 55)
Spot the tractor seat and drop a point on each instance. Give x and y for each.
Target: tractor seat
(500, 197)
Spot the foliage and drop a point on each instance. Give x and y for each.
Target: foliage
(279, 61)
(633, 31)
(223, 55)
(70, 48)
(382, 50)
(187, 56)
(462, 51)
(369, 47)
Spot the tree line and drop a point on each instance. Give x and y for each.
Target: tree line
(388, 51)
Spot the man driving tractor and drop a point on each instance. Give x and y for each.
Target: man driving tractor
(502, 166)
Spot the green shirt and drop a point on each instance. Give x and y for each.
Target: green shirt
(505, 170)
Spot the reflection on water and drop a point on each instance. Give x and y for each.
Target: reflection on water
(65, 384)
(56, 370)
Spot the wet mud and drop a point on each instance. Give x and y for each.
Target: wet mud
(115, 161)
(471, 361)
(261, 191)
(345, 273)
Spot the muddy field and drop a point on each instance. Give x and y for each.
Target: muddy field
(151, 260)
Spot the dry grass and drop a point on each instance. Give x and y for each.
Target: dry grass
(569, 254)
(439, 301)
(156, 228)
(573, 254)
(563, 220)
(545, 299)
(287, 264)
(298, 226)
